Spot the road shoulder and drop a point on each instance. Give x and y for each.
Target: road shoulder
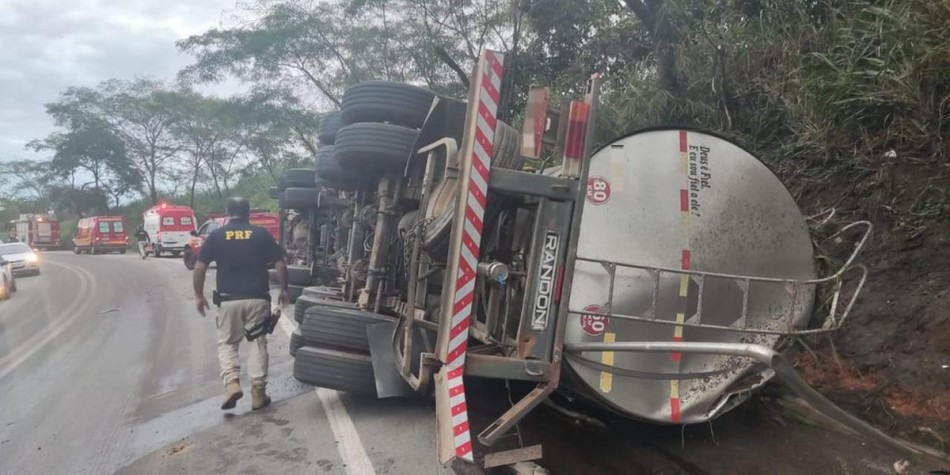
(291, 436)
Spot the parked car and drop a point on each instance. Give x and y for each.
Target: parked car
(7, 281)
(265, 219)
(100, 234)
(22, 259)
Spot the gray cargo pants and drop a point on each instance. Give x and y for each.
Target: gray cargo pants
(233, 317)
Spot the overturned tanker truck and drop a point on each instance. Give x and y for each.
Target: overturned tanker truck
(657, 275)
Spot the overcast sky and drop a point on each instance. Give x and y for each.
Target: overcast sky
(49, 45)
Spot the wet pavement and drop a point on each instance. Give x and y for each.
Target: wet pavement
(106, 367)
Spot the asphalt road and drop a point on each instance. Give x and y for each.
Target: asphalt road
(106, 367)
(104, 363)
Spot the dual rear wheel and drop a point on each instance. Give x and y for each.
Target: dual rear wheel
(331, 346)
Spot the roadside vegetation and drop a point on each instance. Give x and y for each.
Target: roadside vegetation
(848, 101)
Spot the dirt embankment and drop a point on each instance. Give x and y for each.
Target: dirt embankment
(893, 355)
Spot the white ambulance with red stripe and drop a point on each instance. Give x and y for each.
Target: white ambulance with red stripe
(167, 229)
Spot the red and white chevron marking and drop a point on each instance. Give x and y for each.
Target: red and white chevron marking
(488, 97)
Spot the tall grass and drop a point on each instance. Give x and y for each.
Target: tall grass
(822, 90)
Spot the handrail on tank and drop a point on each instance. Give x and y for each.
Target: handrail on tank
(814, 331)
(784, 371)
(831, 323)
(826, 215)
(844, 268)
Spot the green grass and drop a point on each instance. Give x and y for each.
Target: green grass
(853, 92)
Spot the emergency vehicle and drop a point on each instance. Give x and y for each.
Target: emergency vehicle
(39, 231)
(265, 219)
(100, 234)
(167, 229)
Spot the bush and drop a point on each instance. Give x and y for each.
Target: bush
(67, 230)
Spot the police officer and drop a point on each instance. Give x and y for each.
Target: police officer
(243, 253)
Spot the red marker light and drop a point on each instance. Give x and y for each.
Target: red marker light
(575, 137)
(535, 122)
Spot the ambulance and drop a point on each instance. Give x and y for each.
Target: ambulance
(166, 229)
(101, 234)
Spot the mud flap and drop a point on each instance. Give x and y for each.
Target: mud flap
(389, 382)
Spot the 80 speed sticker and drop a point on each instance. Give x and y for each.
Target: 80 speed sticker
(598, 190)
(593, 325)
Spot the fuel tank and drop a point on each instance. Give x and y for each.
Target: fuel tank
(663, 207)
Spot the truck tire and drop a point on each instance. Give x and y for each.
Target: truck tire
(294, 292)
(272, 192)
(298, 178)
(506, 153)
(301, 310)
(335, 327)
(385, 101)
(334, 369)
(368, 148)
(323, 292)
(329, 124)
(296, 341)
(298, 198)
(298, 275)
(302, 304)
(506, 150)
(329, 173)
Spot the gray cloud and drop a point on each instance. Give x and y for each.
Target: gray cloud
(49, 45)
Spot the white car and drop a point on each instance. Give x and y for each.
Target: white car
(7, 281)
(19, 255)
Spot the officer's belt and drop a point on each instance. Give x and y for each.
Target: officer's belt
(218, 298)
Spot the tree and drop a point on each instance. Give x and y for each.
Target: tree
(193, 137)
(207, 130)
(289, 41)
(275, 126)
(26, 179)
(655, 16)
(332, 44)
(93, 147)
(80, 201)
(139, 112)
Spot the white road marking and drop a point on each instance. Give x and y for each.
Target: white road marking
(349, 445)
(348, 440)
(286, 325)
(39, 340)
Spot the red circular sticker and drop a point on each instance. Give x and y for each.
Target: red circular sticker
(598, 190)
(593, 325)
